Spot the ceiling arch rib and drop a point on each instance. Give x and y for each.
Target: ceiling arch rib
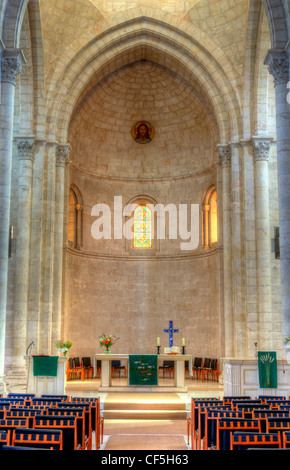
(196, 64)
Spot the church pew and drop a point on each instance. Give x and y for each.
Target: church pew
(4, 438)
(248, 440)
(97, 421)
(227, 426)
(229, 399)
(236, 403)
(277, 404)
(192, 420)
(277, 425)
(211, 419)
(87, 406)
(201, 426)
(249, 408)
(263, 415)
(22, 413)
(80, 415)
(64, 423)
(13, 401)
(64, 398)
(43, 438)
(12, 423)
(46, 401)
(197, 421)
(266, 398)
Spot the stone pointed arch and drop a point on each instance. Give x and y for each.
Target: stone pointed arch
(276, 17)
(12, 23)
(181, 53)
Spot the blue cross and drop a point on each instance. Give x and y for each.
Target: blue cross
(171, 331)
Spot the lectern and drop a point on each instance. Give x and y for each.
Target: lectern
(46, 375)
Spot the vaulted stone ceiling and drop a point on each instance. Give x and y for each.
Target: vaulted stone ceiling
(68, 26)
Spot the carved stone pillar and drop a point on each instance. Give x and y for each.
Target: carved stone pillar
(225, 161)
(11, 64)
(62, 154)
(261, 149)
(278, 64)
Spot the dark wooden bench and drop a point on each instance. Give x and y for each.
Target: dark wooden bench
(251, 440)
(44, 438)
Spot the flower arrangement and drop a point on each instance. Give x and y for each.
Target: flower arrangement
(107, 341)
(63, 347)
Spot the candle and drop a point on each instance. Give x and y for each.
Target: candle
(183, 342)
(158, 341)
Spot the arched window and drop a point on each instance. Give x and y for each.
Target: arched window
(209, 217)
(142, 227)
(75, 218)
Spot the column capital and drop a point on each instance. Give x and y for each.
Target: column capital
(11, 64)
(278, 65)
(62, 154)
(225, 155)
(261, 147)
(25, 147)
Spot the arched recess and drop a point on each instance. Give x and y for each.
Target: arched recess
(144, 39)
(209, 217)
(75, 217)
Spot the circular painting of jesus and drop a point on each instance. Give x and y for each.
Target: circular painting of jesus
(142, 132)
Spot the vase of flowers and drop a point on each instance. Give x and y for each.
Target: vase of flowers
(107, 342)
(63, 347)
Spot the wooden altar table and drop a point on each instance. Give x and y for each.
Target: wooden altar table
(179, 373)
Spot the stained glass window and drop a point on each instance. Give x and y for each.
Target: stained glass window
(142, 227)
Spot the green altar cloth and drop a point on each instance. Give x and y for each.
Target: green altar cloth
(45, 365)
(143, 369)
(267, 365)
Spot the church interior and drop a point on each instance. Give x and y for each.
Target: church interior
(145, 203)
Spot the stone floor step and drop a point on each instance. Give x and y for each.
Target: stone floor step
(145, 414)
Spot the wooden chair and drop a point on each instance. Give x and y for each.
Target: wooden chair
(44, 439)
(214, 369)
(227, 426)
(196, 368)
(86, 363)
(168, 366)
(205, 368)
(99, 368)
(116, 366)
(73, 372)
(252, 440)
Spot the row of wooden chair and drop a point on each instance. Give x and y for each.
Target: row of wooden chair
(205, 368)
(238, 422)
(76, 418)
(82, 368)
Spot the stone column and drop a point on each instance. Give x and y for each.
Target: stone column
(225, 160)
(11, 64)
(62, 153)
(263, 241)
(25, 147)
(278, 64)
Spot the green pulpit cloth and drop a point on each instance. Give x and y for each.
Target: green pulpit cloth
(267, 365)
(45, 365)
(143, 369)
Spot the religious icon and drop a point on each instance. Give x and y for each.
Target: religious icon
(142, 132)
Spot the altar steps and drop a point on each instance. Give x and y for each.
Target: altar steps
(144, 406)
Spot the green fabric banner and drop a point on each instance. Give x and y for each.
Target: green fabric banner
(143, 369)
(267, 364)
(45, 365)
